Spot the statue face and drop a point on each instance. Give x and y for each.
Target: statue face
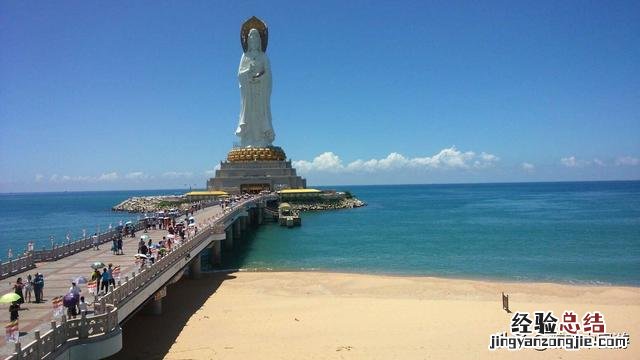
(253, 43)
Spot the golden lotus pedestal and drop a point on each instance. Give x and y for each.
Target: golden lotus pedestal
(252, 170)
(271, 153)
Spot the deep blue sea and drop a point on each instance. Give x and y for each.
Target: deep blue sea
(580, 232)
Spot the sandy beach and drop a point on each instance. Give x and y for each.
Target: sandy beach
(313, 315)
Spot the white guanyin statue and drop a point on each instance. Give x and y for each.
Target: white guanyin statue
(254, 74)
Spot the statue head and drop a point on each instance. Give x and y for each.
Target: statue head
(254, 42)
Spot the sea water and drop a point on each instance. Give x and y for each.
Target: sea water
(579, 232)
(585, 232)
(43, 217)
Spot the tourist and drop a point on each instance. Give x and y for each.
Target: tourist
(105, 280)
(38, 285)
(13, 311)
(75, 290)
(72, 310)
(28, 288)
(94, 239)
(18, 290)
(114, 246)
(82, 306)
(96, 276)
(112, 281)
(140, 245)
(144, 249)
(149, 243)
(120, 252)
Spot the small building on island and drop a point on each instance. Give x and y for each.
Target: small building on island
(205, 195)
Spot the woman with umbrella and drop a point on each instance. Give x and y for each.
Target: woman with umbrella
(70, 301)
(18, 290)
(13, 311)
(14, 307)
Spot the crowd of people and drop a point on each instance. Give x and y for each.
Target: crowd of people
(31, 290)
(33, 286)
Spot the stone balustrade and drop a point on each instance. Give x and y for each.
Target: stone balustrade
(67, 333)
(16, 266)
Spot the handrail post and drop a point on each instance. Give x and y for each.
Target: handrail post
(83, 332)
(54, 335)
(63, 329)
(18, 350)
(38, 349)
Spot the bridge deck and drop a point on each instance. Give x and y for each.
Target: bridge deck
(58, 275)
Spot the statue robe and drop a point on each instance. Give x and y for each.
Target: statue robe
(254, 75)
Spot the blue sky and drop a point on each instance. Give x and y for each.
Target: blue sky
(134, 95)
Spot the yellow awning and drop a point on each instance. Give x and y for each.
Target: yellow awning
(207, 193)
(299, 191)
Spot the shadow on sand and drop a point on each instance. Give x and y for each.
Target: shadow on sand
(148, 336)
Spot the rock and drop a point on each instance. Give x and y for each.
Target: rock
(152, 203)
(328, 205)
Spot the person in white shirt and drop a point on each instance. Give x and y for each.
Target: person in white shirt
(75, 290)
(82, 306)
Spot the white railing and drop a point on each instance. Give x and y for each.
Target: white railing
(105, 317)
(17, 266)
(68, 333)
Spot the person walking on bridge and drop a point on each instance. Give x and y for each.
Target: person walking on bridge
(105, 280)
(95, 241)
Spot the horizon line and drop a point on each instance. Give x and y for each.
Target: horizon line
(337, 185)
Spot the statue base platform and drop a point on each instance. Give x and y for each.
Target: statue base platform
(254, 176)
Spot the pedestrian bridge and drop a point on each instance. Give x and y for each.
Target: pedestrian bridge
(99, 335)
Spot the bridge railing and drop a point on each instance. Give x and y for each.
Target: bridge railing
(67, 333)
(105, 318)
(64, 250)
(17, 266)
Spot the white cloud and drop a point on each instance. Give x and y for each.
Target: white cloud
(528, 167)
(627, 161)
(177, 174)
(571, 161)
(449, 158)
(108, 176)
(136, 175)
(54, 178)
(326, 161)
(39, 178)
(599, 162)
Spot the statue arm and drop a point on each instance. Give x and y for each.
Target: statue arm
(245, 69)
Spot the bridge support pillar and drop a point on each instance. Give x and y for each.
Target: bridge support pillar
(250, 213)
(243, 223)
(195, 267)
(228, 241)
(260, 215)
(216, 253)
(237, 228)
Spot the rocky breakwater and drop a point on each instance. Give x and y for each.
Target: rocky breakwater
(152, 203)
(328, 204)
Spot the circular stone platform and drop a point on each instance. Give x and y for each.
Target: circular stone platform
(272, 153)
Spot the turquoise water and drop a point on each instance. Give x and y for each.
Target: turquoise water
(561, 232)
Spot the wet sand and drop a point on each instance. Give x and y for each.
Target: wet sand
(313, 315)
